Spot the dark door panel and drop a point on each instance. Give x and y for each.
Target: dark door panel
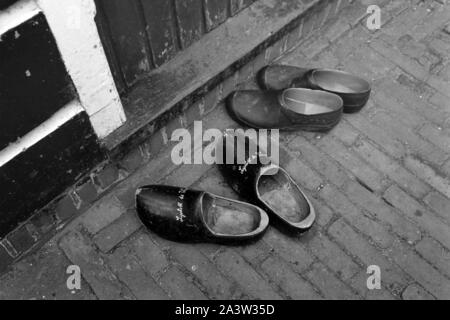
(6, 3)
(34, 83)
(140, 35)
(35, 177)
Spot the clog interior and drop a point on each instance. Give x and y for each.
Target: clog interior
(340, 82)
(310, 102)
(283, 197)
(228, 217)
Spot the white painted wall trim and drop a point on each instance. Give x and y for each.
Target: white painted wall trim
(57, 120)
(17, 14)
(73, 25)
(74, 28)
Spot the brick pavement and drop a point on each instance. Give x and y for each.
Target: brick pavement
(380, 182)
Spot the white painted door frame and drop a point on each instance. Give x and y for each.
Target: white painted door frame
(73, 26)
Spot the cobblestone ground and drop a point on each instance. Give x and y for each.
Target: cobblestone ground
(380, 182)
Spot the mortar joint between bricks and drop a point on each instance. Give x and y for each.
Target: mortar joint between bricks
(338, 7)
(76, 199)
(220, 96)
(9, 248)
(164, 135)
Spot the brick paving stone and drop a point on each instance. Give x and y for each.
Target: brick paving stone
(150, 173)
(128, 270)
(387, 102)
(330, 286)
(252, 283)
(87, 193)
(331, 255)
(446, 168)
(290, 249)
(359, 283)
(353, 163)
(325, 59)
(209, 250)
(313, 46)
(416, 212)
(22, 239)
(107, 176)
(150, 256)
(425, 150)
(436, 254)
(408, 99)
(347, 45)
(185, 175)
(436, 135)
(214, 182)
(324, 213)
(376, 206)
(294, 57)
(273, 53)
(411, 48)
(405, 21)
(323, 15)
(320, 161)
(420, 270)
(345, 133)
(440, 205)
(376, 65)
(299, 171)
(337, 29)
(118, 231)
(290, 282)
(6, 259)
(418, 87)
(393, 169)
(437, 19)
(66, 208)
(354, 13)
(255, 253)
(439, 45)
(409, 65)
(179, 287)
(359, 68)
(428, 174)
(127, 197)
(392, 9)
(393, 147)
(94, 270)
(106, 211)
(43, 223)
(42, 277)
(355, 216)
(217, 286)
(393, 277)
(133, 160)
(415, 292)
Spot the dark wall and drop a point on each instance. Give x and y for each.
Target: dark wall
(140, 35)
(35, 177)
(34, 83)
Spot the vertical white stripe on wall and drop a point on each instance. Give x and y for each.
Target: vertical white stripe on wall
(73, 25)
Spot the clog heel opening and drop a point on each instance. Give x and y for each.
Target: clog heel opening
(282, 196)
(230, 218)
(340, 82)
(310, 102)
